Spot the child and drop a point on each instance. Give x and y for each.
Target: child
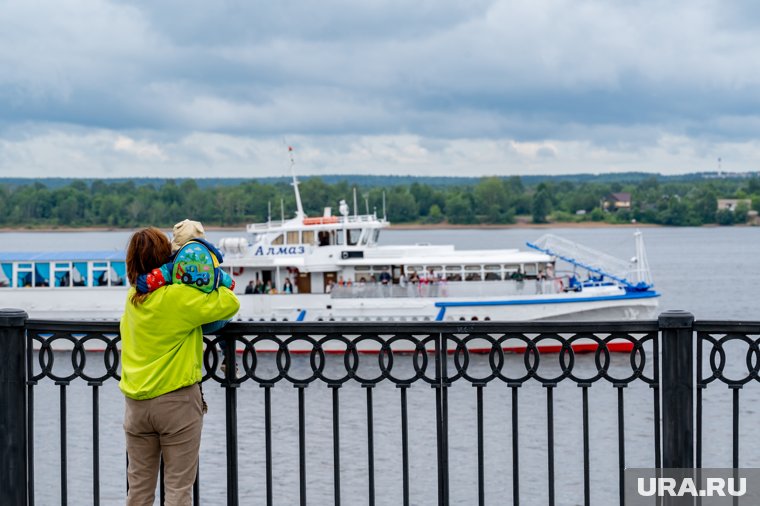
(194, 262)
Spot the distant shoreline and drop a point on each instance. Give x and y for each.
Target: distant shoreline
(403, 226)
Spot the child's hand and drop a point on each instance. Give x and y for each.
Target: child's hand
(225, 279)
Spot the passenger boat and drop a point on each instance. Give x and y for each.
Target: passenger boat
(336, 270)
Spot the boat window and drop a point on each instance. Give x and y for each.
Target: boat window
(493, 276)
(511, 267)
(353, 236)
(307, 237)
(118, 273)
(380, 268)
(24, 274)
(435, 268)
(472, 268)
(361, 268)
(278, 240)
(414, 268)
(6, 274)
(493, 267)
(453, 268)
(62, 274)
(79, 274)
(324, 238)
(338, 235)
(472, 276)
(530, 269)
(99, 277)
(454, 277)
(376, 235)
(293, 237)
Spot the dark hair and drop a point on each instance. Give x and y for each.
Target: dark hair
(148, 249)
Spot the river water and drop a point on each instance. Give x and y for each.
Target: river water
(712, 272)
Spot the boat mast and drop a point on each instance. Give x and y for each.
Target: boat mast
(299, 208)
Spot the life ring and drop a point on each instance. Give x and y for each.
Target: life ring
(237, 271)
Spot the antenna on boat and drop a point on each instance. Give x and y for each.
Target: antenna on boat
(269, 211)
(355, 208)
(282, 207)
(385, 216)
(366, 202)
(299, 207)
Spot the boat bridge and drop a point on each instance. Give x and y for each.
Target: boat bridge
(674, 361)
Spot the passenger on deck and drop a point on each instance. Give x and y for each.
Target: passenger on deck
(287, 287)
(249, 288)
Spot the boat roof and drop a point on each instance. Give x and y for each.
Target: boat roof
(62, 256)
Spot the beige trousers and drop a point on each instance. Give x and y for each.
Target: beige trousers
(169, 424)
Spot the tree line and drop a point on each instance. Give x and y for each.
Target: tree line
(489, 200)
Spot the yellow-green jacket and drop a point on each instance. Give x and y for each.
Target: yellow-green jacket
(161, 339)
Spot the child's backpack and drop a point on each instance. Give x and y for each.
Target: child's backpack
(197, 263)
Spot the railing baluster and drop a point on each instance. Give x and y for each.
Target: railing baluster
(735, 425)
(621, 441)
(550, 438)
(404, 445)
(95, 442)
(268, 438)
(515, 451)
(481, 459)
(30, 440)
(370, 445)
(197, 485)
(64, 477)
(336, 442)
(230, 390)
(439, 420)
(586, 452)
(302, 441)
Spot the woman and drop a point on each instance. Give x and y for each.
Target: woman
(161, 357)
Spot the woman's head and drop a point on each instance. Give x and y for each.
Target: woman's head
(148, 249)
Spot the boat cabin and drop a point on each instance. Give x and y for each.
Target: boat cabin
(62, 269)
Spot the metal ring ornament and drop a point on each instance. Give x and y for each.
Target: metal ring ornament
(461, 349)
(531, 350)
(251, 359)
(354, 368)
(718, 351)
(565, 350)
(323, 359)
(108, 349)
(419, 353)
(44, 350)
(49, 371)
(284, 352)
(210, 352)
(601, 368)
(636, 350)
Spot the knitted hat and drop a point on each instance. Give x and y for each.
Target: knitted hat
(185, 231)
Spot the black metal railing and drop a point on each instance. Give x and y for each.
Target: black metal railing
(657, 354)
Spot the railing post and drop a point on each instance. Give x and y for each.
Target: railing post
(13, 463)
(677, 338)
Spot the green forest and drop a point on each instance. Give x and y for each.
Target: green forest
(676, 201)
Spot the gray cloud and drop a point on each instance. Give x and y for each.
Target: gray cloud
(435, 76)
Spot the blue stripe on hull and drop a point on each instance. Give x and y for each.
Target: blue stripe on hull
(627, 296)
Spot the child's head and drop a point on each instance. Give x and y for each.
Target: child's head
(184, 231)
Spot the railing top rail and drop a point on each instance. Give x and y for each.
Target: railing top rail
(724, 326)
(382, 327)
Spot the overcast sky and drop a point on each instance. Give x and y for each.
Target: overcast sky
(194, 88)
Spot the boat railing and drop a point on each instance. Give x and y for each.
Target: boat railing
(445, 289)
